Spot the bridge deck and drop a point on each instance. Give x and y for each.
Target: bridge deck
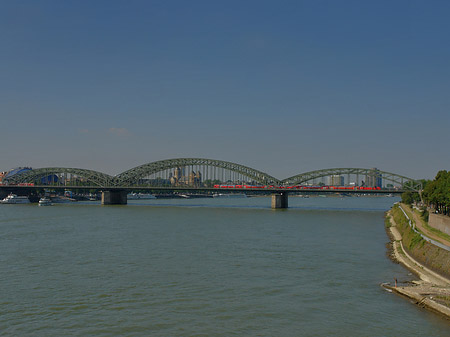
(255, 190)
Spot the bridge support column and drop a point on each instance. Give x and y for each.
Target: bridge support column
(279, 200)
(114, 197)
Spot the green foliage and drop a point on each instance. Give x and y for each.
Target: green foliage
(437, 192)
(410, 197)
(424, 182)
(424, 214)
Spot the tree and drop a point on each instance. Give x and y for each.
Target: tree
(437, 193)
(409, 197)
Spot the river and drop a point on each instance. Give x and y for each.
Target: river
(204, 267)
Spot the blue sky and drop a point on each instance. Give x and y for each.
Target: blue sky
(281, 86)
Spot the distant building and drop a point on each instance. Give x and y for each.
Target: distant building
(178, 178)
(336, 180)
(10, 173)
(17, 170)
(374, 178)
(47, 180)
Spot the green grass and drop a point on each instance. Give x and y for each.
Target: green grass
(410, 238)
(425, 224)
(416, 240)
(387, 221)
(423, 215)
(399, 217)
(442, 235)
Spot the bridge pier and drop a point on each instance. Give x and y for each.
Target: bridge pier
(114, 197)
(279, 200)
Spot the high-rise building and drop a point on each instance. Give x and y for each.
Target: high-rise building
(336, 180)
(374, 178)
(177, 173)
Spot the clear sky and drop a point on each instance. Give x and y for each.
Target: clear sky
(281, 86)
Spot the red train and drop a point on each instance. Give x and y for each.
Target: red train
(301, 187)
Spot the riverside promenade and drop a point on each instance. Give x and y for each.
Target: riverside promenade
(432, 290)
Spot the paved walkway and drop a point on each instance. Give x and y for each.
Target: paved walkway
(421, 226)
(423, 272)
(432, 287)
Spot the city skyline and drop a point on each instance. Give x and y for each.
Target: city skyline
(284, 87)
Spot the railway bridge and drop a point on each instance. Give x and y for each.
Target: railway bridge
(200, 175)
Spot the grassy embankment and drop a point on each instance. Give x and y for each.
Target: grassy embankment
(433, 257)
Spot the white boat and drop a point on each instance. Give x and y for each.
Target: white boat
(44, 201)
(92, 197)
(15, 199)
(139, 196)
(230, 195)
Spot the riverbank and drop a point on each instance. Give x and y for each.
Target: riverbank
(432, 290)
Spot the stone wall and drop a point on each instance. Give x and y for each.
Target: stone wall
(440, 222)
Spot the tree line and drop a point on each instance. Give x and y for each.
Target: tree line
(437, 193)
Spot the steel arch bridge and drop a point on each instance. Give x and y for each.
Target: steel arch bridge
(96, 178)
(404, 182)
(133, 175)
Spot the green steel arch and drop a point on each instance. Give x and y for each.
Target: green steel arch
(97, 178)
(404, 182)
(133, 175)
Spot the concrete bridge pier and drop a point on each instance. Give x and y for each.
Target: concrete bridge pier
(279, 200)
(114, 197)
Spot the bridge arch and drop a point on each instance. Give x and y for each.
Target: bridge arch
(34, 176)
(133, 175)
(404, 182)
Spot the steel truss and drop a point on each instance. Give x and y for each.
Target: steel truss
(404, 182)
(97, 178)
(133, 175)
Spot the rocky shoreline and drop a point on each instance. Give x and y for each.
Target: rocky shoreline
(431, 291)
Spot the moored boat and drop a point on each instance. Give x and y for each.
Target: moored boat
(230, 195)
(15, 199)
(92, 197)
(139, 196)
(45, 201)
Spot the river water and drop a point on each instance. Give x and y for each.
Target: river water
(204, 267)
